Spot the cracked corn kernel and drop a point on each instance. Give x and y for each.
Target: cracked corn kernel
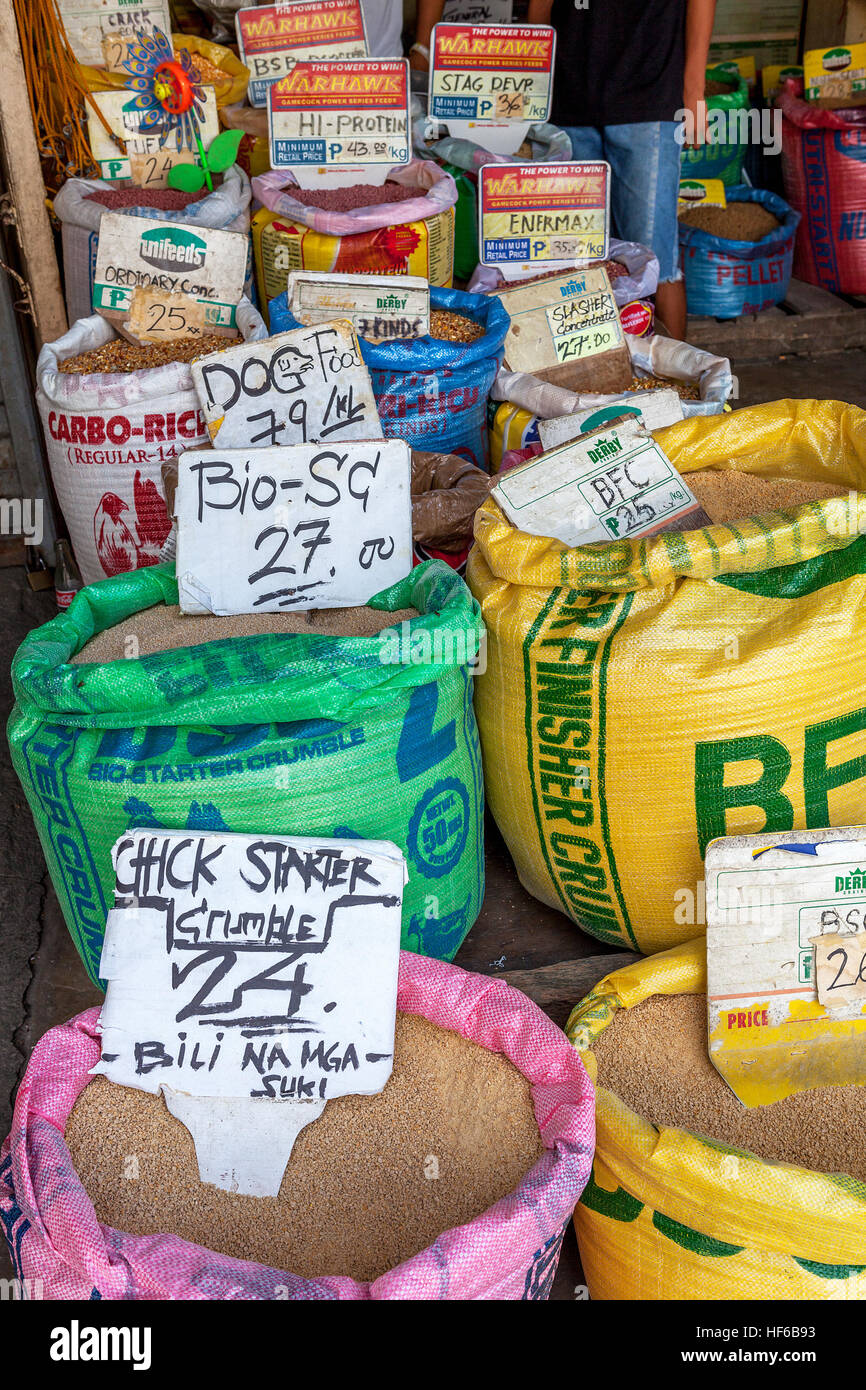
(121, 356)
(454, 328)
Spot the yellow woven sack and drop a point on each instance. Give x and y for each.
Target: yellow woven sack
(512, 428)
(667, 1215)
(232, 89)
(643, 697)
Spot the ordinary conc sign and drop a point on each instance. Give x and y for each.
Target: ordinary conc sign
(272, 38)
(381, 308)
(341, 114)
(491, 72)
(786, 916)
(252, 978)
(100, 34)
(208, 266)
(140, 156)
(544, 212)
(310, 526)
(306, 384)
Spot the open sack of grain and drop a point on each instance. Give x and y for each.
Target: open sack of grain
(633, 271)
(357, 722)
(737, 259)
(404, 226)
(645, 696)
(432, 391)
(692, 1195)
(484, 1085)
(112, 412)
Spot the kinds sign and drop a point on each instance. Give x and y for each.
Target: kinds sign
(543, 212)
(786, 917)
(100, 33)
(836, 76)
(491, 72)
(206, 266)
(381, 308)
(252, 978)
(560, 323)
(272, 38)
(311, 526)
(307, 384)
(135, 154)
(613, 484)
(341, 115)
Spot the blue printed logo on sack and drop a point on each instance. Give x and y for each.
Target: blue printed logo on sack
(439, 828)
(542, 1271)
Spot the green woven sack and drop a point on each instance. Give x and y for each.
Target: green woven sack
(722, 161)
(295, 734)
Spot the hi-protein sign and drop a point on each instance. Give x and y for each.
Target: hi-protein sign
(273, 38)
(544, 212)
(491, 72)
(341, 114)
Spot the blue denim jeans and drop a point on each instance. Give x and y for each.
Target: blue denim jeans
(644, 161)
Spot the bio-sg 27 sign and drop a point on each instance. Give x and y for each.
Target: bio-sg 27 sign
(310, 526)
(491, 72)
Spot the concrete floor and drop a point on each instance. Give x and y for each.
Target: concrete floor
(43, 982)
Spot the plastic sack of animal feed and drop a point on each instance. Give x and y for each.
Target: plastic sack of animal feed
(729, 276)
(510, 1251)
(107, 435)
(633, 271)
(667, 1214)
(727, 100)
(430, 391)
(409, 236)
(80, 211)
(639, 700)
(369, 737)
(824, 171)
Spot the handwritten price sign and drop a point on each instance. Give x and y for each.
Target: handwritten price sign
(341, 114)
(491, 72)
(273, 38)
(314, 526)
(544, 212)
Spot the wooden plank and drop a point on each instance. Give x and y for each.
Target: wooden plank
(26, 188)
(757, 338)
(811, 299)
(567, 980)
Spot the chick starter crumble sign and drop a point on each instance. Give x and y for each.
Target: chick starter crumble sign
(305, 384)
(335, 124)
(312, 526)
(272, 38)
(251, 978)
(529, 213)
(490, 82)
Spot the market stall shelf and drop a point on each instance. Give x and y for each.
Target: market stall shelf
(808, 320)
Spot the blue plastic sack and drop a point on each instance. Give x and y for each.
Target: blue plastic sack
(726, 278)
(430, 392)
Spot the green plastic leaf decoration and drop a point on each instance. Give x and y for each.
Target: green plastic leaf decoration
(187, 177)
(223, 149)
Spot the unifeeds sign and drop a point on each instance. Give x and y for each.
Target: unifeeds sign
(173, 250)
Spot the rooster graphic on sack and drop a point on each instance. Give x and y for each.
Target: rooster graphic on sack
(131, 541)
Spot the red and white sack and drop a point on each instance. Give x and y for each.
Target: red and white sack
(226, 208)
(107, 436)
(824, 171)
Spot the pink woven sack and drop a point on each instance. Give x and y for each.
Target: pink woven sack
(509, 1252)
(274, 190)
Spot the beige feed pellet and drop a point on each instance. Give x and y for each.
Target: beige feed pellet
(655, 1058)
(374, 1180)
(728, 495)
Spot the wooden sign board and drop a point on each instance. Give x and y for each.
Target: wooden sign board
(778, 904)
(206, 266)
(567, 331)
(334, 124)
(614, 483)
(543, 212)
(251, 978)
(309, 526)
(304, 385)
(135, 155)
(99, 34)
(381, 308)
(272, 38)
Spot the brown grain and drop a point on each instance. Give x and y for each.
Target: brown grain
(356, 1198)
(728, 495)
(164, 628)
(454, 328)
(163, 199)
(655, 1058)
(686, 390)
(119, 356)
(360, 195)
(736, 222)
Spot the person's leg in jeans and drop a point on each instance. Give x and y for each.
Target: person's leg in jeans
(645, 174)
(587, 141)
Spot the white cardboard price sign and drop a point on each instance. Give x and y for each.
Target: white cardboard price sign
(350, 120)
(272, 38)
(654, 409)
(561, 320)
(140, 155)
(207, 266)
(381, 308)
(774, 902)
(501, 74)
(613, 484)
(252, 978)
(308, 383)
(531, 213)
(99, 33)
(312, 526)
